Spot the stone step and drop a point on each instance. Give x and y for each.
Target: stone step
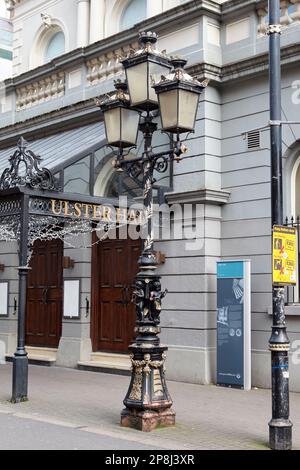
(36, 360)
(49, 353)
(38, 356)
(107, 362)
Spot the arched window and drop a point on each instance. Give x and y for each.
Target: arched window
(55, 47)
(135, 12)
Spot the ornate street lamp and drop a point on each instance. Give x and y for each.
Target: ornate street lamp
(121, 121)
(178, 94)
(143, 68)
(151, 84)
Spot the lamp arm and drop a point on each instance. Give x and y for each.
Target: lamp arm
(132, 161)
(178, 149)
(160, 160)
(121, 163)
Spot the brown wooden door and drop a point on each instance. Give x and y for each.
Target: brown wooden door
(44, 294)
(114, 270)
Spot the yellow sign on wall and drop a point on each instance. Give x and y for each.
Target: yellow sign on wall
(284, 255)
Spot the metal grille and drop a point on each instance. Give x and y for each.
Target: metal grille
(253, 139)
(9, 206)
(293, 292)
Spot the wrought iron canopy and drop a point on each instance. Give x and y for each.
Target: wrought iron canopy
(28, 197)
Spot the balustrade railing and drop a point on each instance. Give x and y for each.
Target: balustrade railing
(38, 92)
(107, 66)
(290, 13)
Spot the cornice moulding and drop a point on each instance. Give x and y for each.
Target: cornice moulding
(200, 196)
(245, 69)
(231, 7)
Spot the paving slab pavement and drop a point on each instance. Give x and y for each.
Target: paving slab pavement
(19, 433)
(208, 417)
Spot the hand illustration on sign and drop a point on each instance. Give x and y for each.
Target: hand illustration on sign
(238, 290)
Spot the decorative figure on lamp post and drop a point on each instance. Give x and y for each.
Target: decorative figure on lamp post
(154, 83)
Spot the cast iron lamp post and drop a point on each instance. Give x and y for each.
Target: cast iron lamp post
(155, 83)
(280, 427)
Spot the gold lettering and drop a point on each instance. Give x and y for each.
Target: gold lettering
(67, 207)
(118, 215)
(132, 215)
(106, 214)
(124, 219)
(97, 212)
(53, 207)
(77, 207)
(87, 210)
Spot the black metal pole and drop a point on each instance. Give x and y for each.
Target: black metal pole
(280, 427)
(20, 360)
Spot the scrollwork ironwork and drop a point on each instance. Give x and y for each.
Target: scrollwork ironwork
(161, 164)
(25, 171)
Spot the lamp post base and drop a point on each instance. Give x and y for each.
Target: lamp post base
(147, 420)
(280, 434)
(20, 379)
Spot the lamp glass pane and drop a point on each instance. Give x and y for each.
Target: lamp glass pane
(188, 104)
(137, 83)
(155, 73)
(112, 125)
(168, 102)
(130, 122)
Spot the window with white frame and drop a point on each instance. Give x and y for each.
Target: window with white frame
(135, 12)
(55, 46)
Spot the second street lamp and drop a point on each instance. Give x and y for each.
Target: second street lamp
(178, 96)
(147, 402)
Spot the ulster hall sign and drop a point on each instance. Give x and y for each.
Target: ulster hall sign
(99, 212)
